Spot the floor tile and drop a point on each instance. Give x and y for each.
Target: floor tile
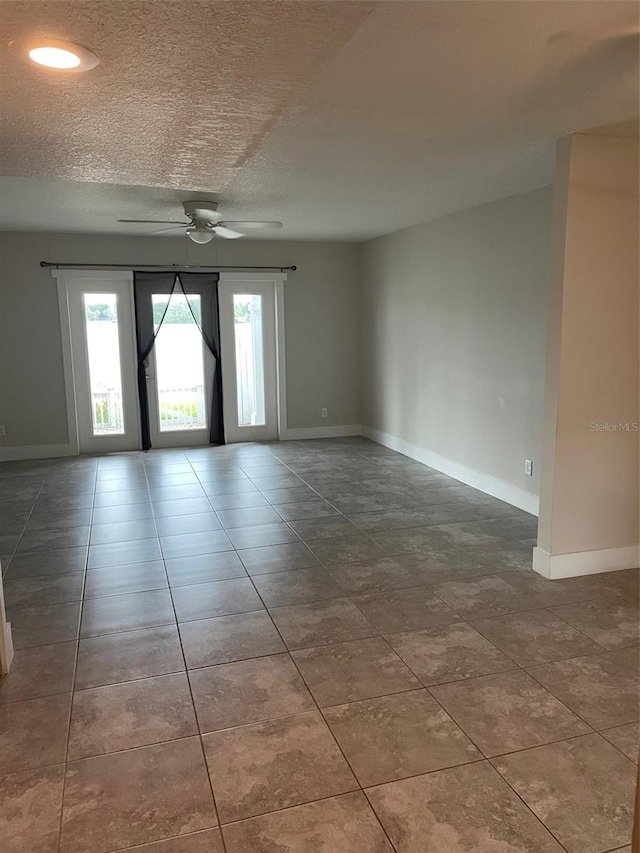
(176, 493)
(260, 535)
(62, 503)
(277, 558)
(229, 486)
(42, 591)
(34, 733)
(123, 531)
(509, 711)
(535, 636)
(205, 841)
(581, 789)
(134, 797)
(237, 500)
(45, 540)
(392, 737)
(345, 549)
(436, 513)
(613, 623)
(306, 509)
(467, 808)
(124, 657)
(136, 713)
(123, 553)
(229, 638)
(184, 478)
(626, 583)
(197, 522)
(292, 495)
(343, 824)
(346, 672)
(39, 671)
(273, 765)
(116, 613)
(54, 562)
(248, 691)
(204, 568)
(324, 528)
(411, 609)
(487, 596)
(376, 575)
(162, 509)
(449, 653)
(188, 544)
(547, 593)
(321, 623)
(266, 484)
(626, 738)
(30, 806)
(219, 598)
(248, 516)
(602, 689)
(297, 587)
(116, 514)
(41, 625)
(122, 498)
(120, 580)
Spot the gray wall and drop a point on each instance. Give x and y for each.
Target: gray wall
(453, 329)
(321, 320)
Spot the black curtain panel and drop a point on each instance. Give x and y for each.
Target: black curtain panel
(206, 286)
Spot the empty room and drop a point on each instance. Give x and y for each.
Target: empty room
(319, 426)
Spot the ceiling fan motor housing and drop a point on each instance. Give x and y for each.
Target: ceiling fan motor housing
(202, 211)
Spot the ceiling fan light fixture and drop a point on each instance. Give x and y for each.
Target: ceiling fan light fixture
(200, 234)
(60, 55)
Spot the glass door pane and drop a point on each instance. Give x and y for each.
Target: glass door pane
(103, 356)
(179, 363)
(248, 329)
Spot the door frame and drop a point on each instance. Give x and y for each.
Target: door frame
(278, 280)
(65, 282)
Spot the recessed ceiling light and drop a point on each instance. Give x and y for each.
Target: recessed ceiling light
(61, 55)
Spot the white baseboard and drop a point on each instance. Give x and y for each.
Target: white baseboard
(37, 451)
(585, 562)
(483, 482)
(300, 433)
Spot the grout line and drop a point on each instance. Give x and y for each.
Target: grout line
(193, 703)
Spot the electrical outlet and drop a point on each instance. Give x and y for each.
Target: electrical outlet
(528, 467)
(323, 413)
(3, 430)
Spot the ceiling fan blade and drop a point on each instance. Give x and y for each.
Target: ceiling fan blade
(155, 221)
(223, 231)
(170, 228)
(252, 225)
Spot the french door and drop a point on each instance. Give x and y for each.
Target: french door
(249, 357)
(101, 344)
(98, 319)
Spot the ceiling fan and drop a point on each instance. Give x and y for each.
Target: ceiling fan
(204, 222)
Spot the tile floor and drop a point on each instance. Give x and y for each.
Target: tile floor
(312, 647)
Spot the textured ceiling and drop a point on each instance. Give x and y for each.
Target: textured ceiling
(344, 120)
(184, 93)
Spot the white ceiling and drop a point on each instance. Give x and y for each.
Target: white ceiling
(344, 120)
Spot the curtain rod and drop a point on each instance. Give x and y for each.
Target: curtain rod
(168, 267)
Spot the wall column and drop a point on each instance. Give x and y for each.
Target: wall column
(589, 509)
